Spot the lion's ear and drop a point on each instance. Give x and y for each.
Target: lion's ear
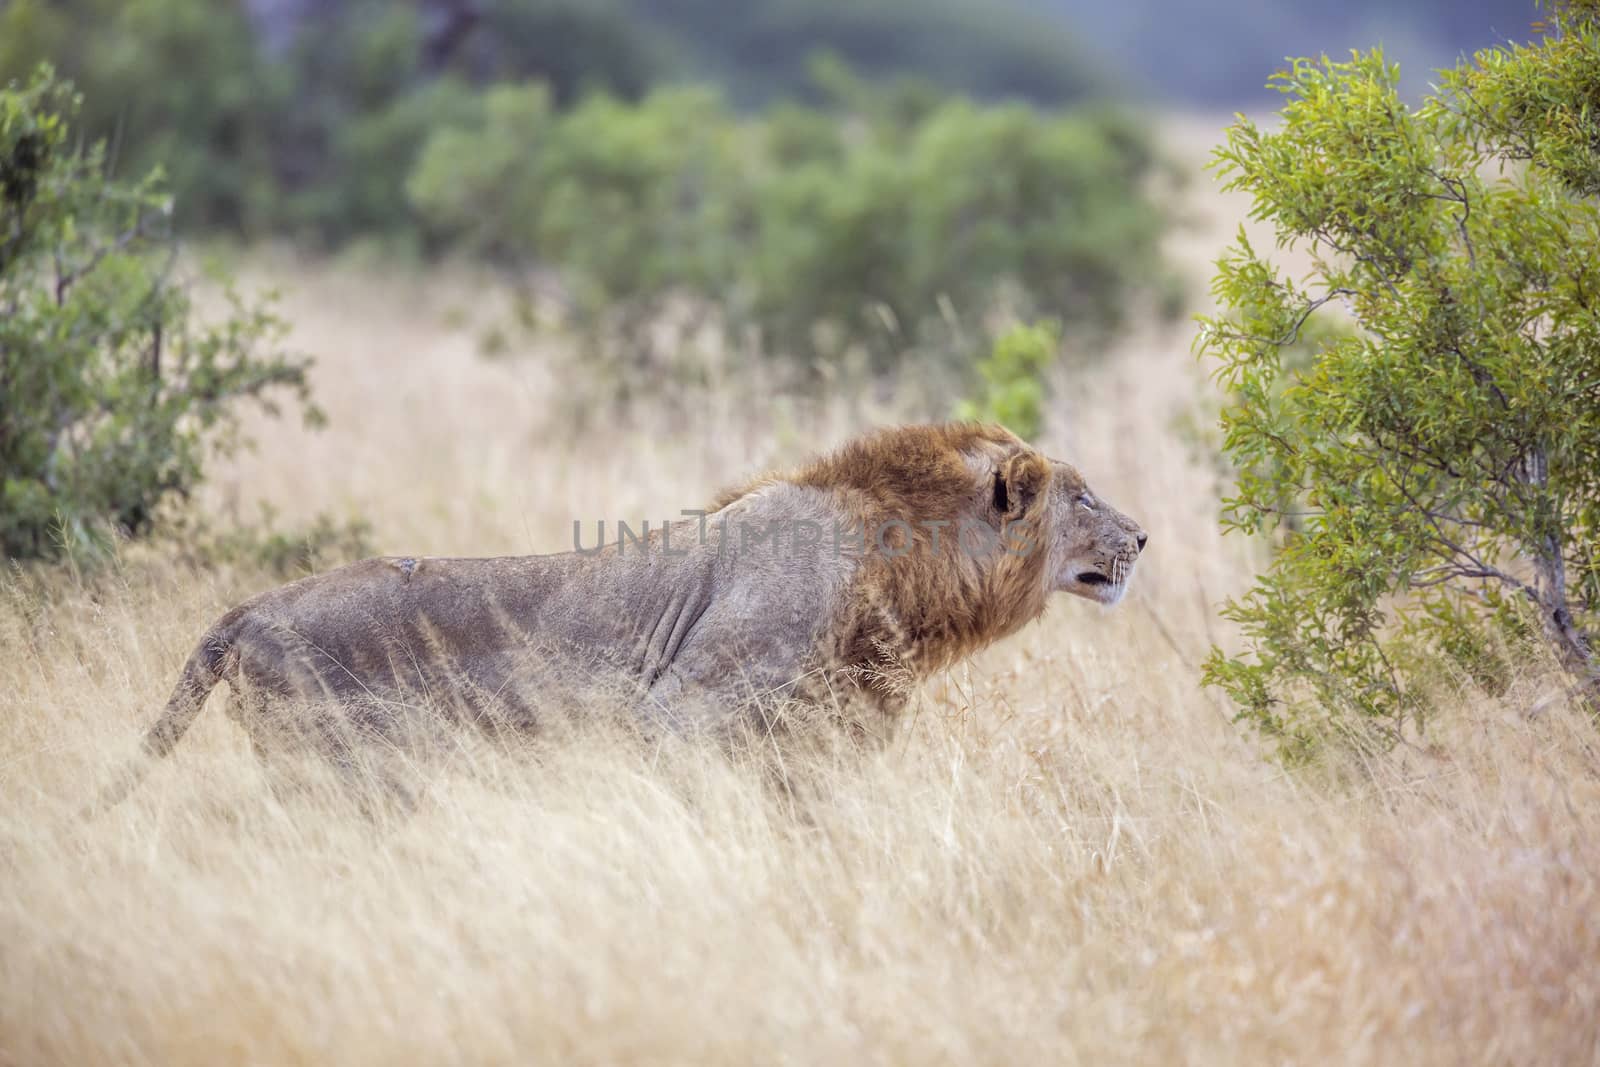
(1020, 483)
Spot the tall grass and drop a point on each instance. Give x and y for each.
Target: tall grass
(1069, 854)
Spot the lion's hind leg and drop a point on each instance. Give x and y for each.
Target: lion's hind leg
(323, 752)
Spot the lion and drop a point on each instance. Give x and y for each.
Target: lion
(847, 580)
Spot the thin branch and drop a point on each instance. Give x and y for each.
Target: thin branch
(1449, 572)
(1366, 260)
(1458, 189)
(1294, 331)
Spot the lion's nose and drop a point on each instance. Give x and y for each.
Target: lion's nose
(1142, 538)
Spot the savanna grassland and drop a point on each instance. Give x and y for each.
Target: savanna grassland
(1069, 855)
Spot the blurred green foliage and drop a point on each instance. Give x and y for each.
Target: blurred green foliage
(920, 228)
(294, 118)
(629, 201)
(1441, 459)
(286, 554)
(860, 218)
(761, 49)
(891, 222)
(177, 84)
(111, 391)
(1013, 375)
(310, 135)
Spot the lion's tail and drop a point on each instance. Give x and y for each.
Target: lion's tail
(200, 675)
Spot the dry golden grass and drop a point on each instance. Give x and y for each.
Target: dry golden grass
(1069, 856)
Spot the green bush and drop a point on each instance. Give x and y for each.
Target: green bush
(900, 228)
(622, 198)
(371, 152)
(1013, 391)
(962, 210)
(1441, 460)
(110, 389)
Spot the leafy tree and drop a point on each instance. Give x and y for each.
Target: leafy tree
(375, 80)
(110, 389)
(1440, 456)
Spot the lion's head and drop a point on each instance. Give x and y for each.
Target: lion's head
(1093, 546)
(979, 528)
(1089, 547)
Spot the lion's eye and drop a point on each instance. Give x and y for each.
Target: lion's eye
(1086, 502)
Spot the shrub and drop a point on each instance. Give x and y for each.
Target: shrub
(1013, 391)
(370, 152)
(110, 389)
(629, 203)
(963, 209)
(1441, 458)
(898, 228)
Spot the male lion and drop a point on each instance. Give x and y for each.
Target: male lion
(844, 581)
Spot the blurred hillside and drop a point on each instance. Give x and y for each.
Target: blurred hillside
(1193, 52)
(1211, 53)
(758, 51)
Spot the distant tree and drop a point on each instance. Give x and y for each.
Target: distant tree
(1439, 455)
(760, 49)
(111, 390)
